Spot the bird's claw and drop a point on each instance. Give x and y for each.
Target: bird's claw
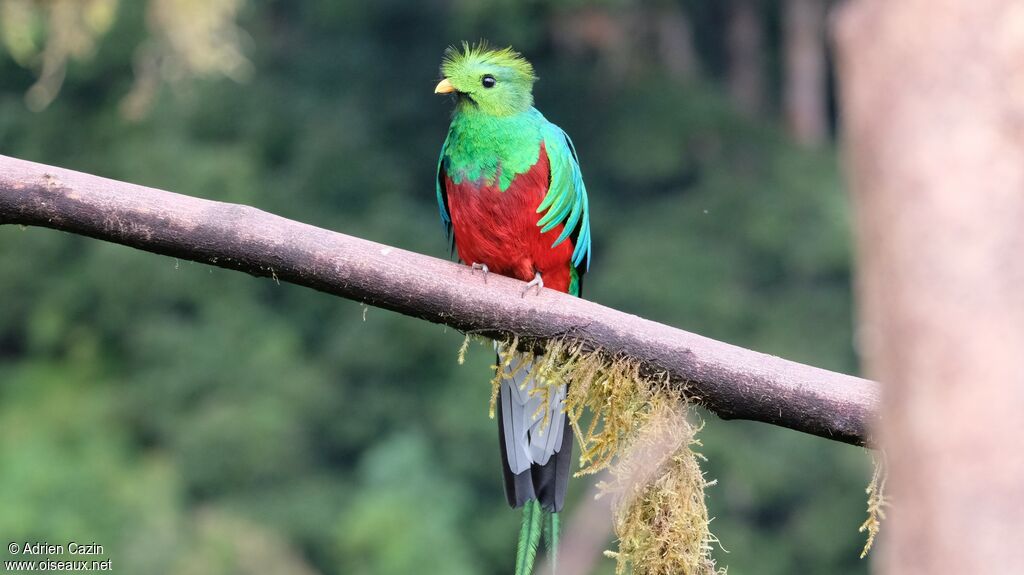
(536, 281)
(475, 266)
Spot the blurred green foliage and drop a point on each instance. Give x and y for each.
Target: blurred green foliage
(199, 421)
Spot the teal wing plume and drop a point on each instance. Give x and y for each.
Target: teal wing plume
(566, 200)
(442, 195)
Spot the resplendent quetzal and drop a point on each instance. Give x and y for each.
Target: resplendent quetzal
(511, 195)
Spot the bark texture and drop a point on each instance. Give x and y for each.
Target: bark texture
(733, 382)
(933, 95)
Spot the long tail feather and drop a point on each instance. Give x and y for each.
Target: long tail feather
(529, 538)
(551, 527)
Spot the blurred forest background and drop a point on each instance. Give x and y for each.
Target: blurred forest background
(199, 421)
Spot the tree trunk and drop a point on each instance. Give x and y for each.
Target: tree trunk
(674, 37)
(746, 57)
(804, 92)
(933, 93)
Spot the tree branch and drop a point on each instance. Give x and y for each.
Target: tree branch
(731, 381)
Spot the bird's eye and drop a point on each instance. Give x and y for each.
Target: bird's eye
(488, 81)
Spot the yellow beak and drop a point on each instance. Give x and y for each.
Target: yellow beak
(444, 87)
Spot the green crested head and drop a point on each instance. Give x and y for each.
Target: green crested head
(496, 82)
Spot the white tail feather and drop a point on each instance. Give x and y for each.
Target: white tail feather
(533, 429)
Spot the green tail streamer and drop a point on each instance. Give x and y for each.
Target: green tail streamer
(551, 540)
(529, 538)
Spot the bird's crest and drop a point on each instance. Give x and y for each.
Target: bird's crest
(482, 55)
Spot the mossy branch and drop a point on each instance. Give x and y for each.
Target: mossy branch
(733, 382)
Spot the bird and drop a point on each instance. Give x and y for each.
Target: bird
(512, 201)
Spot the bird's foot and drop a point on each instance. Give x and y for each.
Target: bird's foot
(536, 281)
(475, 266)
